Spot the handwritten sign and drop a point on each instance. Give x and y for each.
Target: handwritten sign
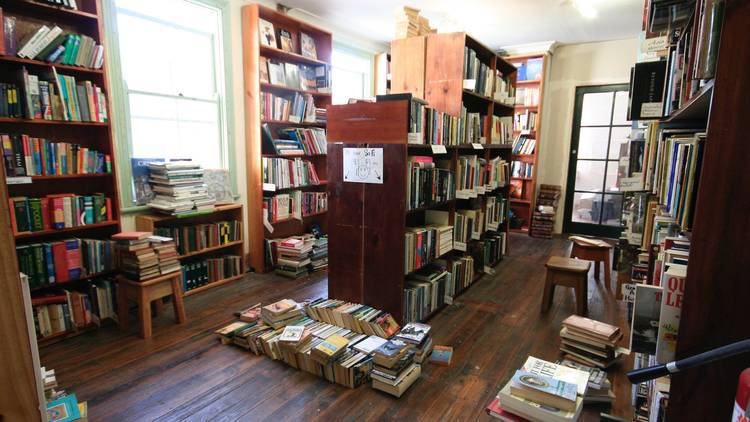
(363, 165)
(439, 149)
(628, 292)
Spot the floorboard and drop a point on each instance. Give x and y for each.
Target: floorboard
(184, 373)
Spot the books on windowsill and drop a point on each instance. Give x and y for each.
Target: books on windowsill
(179, 188)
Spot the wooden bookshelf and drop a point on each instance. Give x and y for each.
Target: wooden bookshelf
(95, 135)
(254, 88)
(229, 212)
(523, 207)
(368, 221)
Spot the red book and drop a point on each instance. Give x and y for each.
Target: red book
(60, 257)
(131, 235)
(45, 214)
(46, 300)
(108, 205)
(494, 409)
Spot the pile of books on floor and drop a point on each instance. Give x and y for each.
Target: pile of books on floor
(394, 369)
(319, 254)
(281, 313)
(293, 255)
(589, 342)
(59, 402)
(418, 335)
(541, 391)
(354, 316)
(179, 188)
(599, 386)
(543, 220)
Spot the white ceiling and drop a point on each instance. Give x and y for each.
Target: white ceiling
(497, 23)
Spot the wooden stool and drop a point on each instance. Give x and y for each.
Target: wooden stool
(570, 273)
(595, 250)
(144, 292)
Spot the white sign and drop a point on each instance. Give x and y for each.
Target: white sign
(651, 110)
(652, 45)
(439, 149)
(477, 146)
(630, 184)
(470, 84)
(363, 165)
(269, 187)
(18, 180)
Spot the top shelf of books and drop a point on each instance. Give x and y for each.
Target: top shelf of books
(70, 11)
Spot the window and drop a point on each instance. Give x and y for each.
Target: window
(173, 92)
(351, 72)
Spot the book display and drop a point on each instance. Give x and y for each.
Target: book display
(58, 157)
(287, 66)
(527, 118)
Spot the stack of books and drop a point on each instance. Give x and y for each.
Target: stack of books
(293, 256)
(319, 254)
(353, 316)
(394, 369)
(137, 258)
(410, 24)
(179, 188)
(425, 291)
(599, 386)
(279, 314)
(418, 335)
(329, 349)
(166, 251)
(543, 220)
(590, 342)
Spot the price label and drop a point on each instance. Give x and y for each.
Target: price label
(628, 292)
(20, 180)
(477, 146)
(459, 246)
(270, 187)
(439, 149)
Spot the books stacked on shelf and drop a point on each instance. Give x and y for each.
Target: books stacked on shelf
(418, 335)
(68, 4)
(319, 254)
(496, 210)
(420, 244)
(194, 238)
(293, 255)
(599, 388)
(473, 127)
(524, 145)
(590, 342)
(295, 76)
(282, 207)
(314, 203)
(281, 313)
(60, 97)
(439, 221)
(467, 176)
(293, 108)
(137, 258)
(58, 211)
(410, 24)
(520, 169)
(530, 69)
(501, 130)
(424, 292)
(543, 221)
(54, 45)
(52, 263)
(462, 273)
(179, 188)
(428, 184)
(28, 156)
(650, 399)
(497, 173)
(69, 310)
(478, 77)
(540, 392)
(394, 369)
(353, 316)
(525, 121)
(312, 140)
(472, 225)
(494, 249)
(166, 252)
(527, 97)
(505, 92)
(282, 173)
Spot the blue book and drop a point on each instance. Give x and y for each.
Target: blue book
(49, 259)
(534, 69)
(73, 249)
(141, 188)
(64, 409)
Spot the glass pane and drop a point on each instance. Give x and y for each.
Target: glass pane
(151, 106)
(590, 175)
(186, 13)
(620, 116)
(154, 138)
(198, 111)
(612, 210)
(347, 84)
(200, 141)
(193, 64)
(617, 138)
(586, 207)
(611, 185)
(592, 142)
(597, 109)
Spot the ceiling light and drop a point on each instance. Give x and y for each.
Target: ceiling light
(586, 8)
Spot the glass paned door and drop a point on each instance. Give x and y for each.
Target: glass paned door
(593, 201)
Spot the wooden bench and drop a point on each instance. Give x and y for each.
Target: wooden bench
(143, 293)
(567, 272)
(595, 250)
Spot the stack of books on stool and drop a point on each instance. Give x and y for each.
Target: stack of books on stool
(590, 342)
(166, 250)
(394, 369)
(418, 335)
(138, 261)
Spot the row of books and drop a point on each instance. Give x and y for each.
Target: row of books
(353, 316)
(294, 205)
(420, 246)
(27, 156)
(649, 399)
(199, 273)
(501, 129)
(295, 76)
(69, 310)
(496, 211)
(493, 249)
(468, 225)
(296, 141)
(299, 255)
(527, 97)
(543, 220)
(478, 77)
(51, 263)
(425, 292)
(179, 188)
(294, 108)
(58, 211)
(521, 169)
(282, 173)
(70, 4)
(530, 69)
(397, 363)
(524, 145)
(505, 92)
(462, 274)
(54, 45)
(525, 120)
(194, 238)
(428, 184)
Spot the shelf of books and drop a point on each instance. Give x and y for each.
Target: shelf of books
(411, 235)
(288, 85)
(59, 161)
(527, 122)
(209, 245)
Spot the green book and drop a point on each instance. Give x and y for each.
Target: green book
(36, 220)
(21, 210)
(40, 274)
(100, 213)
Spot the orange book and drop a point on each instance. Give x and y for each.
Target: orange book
(131, 235)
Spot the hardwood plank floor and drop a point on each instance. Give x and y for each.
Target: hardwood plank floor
(184, 373)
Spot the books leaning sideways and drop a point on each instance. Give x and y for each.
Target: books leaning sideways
(179, 188)
(394, 369)
(589, 342)
(353, 316)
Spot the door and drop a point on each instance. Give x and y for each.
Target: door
(593, 201)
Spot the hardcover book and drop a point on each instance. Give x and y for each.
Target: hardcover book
(267, 34)
(307, 46)
(645, 324)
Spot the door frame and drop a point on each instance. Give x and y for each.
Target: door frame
(570, 226)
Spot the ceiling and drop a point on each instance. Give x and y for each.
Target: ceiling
(497, 23)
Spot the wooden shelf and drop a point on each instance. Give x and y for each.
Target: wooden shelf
(69, 282)
(19, 121)
(525, 107)
(279, 54)
(46, 65)
(211, 249)
(431, 207)
(522, 178)
(41, 233)
(162, 218)
(30, 8)
(696, 109)
(54, 338)
(268, 86)
(520, 201)
(304, 217)
(288, 123)
(64, 177)
(306, 187)
(213, 284)
(293, 156)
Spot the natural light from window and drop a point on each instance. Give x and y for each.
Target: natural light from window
(351, 74)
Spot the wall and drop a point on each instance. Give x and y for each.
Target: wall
(575, 65)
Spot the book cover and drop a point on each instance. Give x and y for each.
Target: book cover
(559, 372)
(287, 43)
(64, 409)
(292, 333)
(414, 332)
(267, 34)
(544, 390)
(307, 46)
(645, 324)
(673, 287)
(441, 355)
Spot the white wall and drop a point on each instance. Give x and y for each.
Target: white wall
(575, 65)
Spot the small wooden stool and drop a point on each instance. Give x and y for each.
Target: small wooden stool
(144, 292)
(567, 272)
(595, 250)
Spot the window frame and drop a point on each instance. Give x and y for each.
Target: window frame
(365, 55)
(119, 100)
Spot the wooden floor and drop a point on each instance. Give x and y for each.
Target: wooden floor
(184, 373)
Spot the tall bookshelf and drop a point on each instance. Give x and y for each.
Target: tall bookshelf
(523, 204)
(86, 20)
(258, 232)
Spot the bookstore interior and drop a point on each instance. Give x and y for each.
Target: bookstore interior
(347, 210)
